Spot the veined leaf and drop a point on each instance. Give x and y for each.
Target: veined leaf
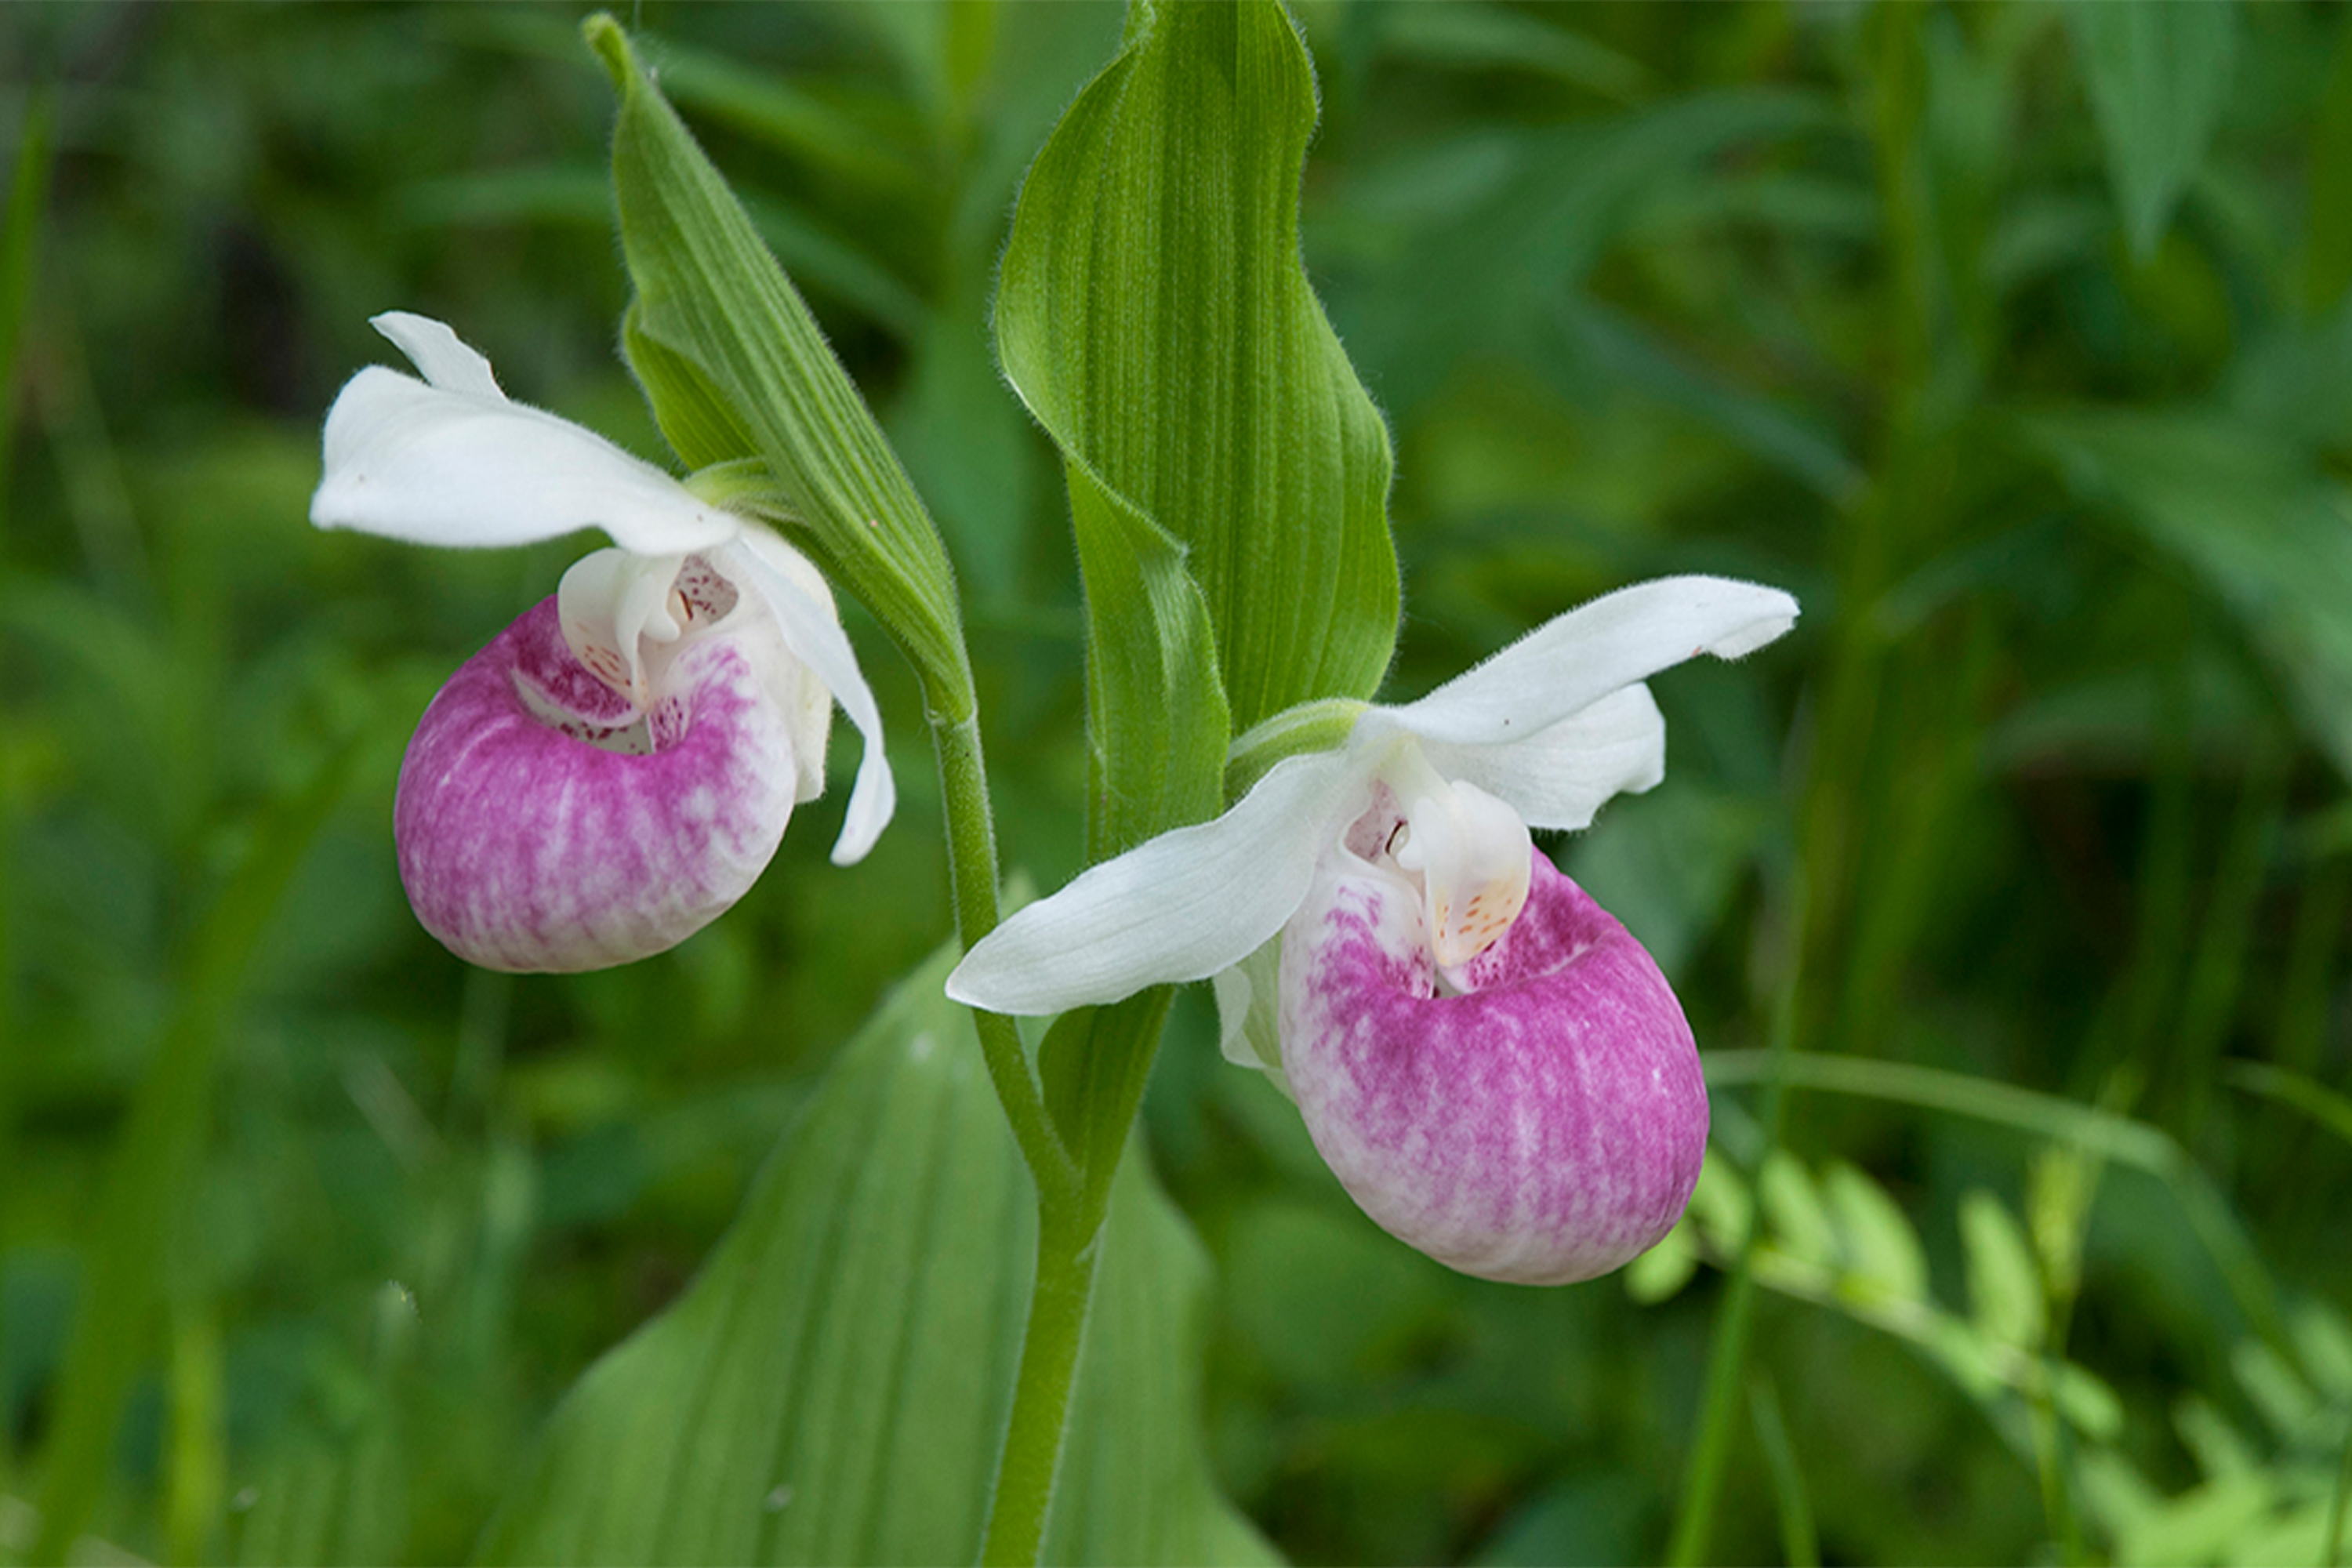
(732, 334)
(833, 1386)
(2157, 76)
(1154, 315)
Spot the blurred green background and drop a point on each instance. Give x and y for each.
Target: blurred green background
(2013, 339)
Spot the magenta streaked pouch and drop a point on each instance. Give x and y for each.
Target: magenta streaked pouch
(546, 821)
(1540, 1121)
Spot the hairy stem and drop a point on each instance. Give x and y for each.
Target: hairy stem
(1041, 1396)
(971, 874)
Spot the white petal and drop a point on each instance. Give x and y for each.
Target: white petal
(813, 633)
(443, 358)
(1179, 907)
(435, 465)
(1575, 659)
(1558, 777)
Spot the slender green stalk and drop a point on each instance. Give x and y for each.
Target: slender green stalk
(2050, 1461)
(2304, 993)
(196, 1458)
(2314, 1100)
(1727, 1357)
(28, 197)
(1041, 1396)
(2216, 971)
(972, 873)
(1069, 1206)
(1727, 1361)
(1799, 1544)
(2334, 1555)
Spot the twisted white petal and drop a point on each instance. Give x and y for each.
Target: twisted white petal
(1179, 907)
(803, 607)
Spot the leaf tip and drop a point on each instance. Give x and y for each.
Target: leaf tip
(605, 36)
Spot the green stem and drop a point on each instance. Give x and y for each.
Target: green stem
(1040, 1398)
(2050, 1460)
(971, 874)
(1727, 1357)
(2334, 1555)
(1799, 1542)
(1069, 1212)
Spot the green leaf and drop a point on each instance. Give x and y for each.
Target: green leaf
(834, 1386)
(2157, 76)
(1155, 711)
(1157, 727)
(1721, 1204)
(736, 367)
(1662, 1272)
(1792, 1204)
(1516, 222)
(2259, 524)
(1880, 1246)
(2201, 1525)
(2328, 239)
(20, 230)
(1154, 315)
(806, 125)
(2004, 1287)
(1479, 37)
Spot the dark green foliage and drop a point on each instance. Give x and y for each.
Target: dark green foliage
(2014, 341)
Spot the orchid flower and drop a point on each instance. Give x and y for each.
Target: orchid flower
(617, 768)
(1493, 1067)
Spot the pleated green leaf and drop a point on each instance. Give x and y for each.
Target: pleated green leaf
(1154, 315)
(736, 367)
(2156, 74)
(833, 1387)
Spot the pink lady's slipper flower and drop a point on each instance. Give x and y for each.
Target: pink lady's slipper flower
(616, 767)
(1492, 1067)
